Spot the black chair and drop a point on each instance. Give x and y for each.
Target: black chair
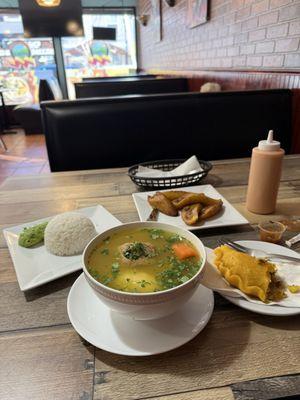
(128, 86)
(121, 131)
(29, 115)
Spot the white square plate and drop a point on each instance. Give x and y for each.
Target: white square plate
(228, 217)
(37, 266)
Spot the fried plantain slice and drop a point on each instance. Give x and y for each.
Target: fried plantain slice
(210, 211)
(187, 199)
(209, 201)
(193, 198)
(174, 194)
(190, 214)
(160, 202)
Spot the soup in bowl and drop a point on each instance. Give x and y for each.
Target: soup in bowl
(145, 270)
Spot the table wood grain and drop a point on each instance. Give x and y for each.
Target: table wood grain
(240, 355)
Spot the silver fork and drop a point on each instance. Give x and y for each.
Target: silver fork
(258, 253)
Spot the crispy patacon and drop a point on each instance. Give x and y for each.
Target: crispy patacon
(160, 202)
(251, 275)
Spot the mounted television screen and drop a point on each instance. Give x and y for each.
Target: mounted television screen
(104, 33)
(62, 19)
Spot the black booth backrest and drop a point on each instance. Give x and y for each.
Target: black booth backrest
(121, 131)
(49, 90)
(116, 78)
(130, 86)
(45, 91)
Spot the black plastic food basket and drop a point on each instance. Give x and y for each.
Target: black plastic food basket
(171, 182)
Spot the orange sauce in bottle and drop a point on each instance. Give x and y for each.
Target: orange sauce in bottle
(264, 177)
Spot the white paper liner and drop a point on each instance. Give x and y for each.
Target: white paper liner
(290, 273)
(190, 166)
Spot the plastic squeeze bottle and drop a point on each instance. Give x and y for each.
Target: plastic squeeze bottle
(264, 177)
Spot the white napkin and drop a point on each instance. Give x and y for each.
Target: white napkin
(290, 273)
(190, 166)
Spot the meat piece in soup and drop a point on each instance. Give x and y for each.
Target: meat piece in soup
(143, 260)
(136, 252)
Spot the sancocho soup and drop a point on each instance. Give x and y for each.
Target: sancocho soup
(143, 260)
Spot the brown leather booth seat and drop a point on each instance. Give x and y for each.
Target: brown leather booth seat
(121, 131)
(128, 86)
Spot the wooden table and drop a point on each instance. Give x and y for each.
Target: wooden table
(239, 355)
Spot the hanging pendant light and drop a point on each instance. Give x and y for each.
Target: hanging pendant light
(48, 3)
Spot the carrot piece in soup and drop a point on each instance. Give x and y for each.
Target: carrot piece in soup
(183, 250)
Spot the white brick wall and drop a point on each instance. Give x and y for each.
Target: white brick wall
(240, 34)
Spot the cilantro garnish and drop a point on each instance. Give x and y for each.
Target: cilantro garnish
(156, 233)
(106, 280)
(174, 238)
(143, 283)
(115, 268)
(106, 240)
(180, 272)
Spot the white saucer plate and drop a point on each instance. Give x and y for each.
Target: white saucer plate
(228, 217)
(262, 308)
(122, 335)
(37, 266)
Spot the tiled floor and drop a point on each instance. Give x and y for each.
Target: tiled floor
(26, 155)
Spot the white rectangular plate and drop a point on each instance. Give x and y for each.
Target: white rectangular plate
(228, 217)
(37, 266)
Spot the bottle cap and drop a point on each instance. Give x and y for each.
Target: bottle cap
(269, 144)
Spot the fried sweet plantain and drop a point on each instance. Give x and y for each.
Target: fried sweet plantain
(174, 194)
(209, 201)
(160, 202)
(193, 198)
(190, 214)
(187, 199)
(210, 211)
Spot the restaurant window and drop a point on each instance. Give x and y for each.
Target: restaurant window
(85, 57)
(23, 62)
